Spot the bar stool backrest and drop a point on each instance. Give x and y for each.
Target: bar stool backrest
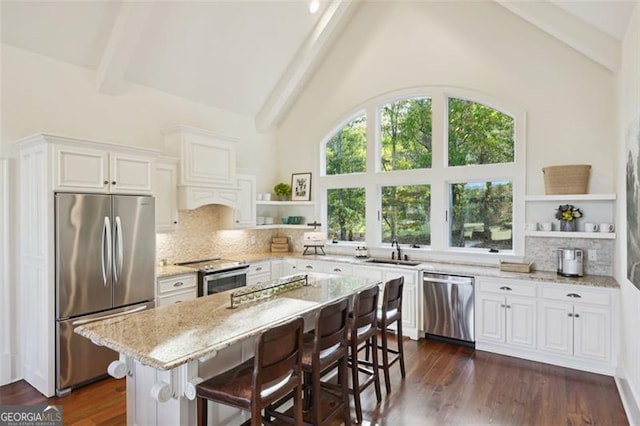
(365, 310)
(331, 330)
(278, 355)
(392, 298)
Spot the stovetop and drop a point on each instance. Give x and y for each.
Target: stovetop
(214, 264)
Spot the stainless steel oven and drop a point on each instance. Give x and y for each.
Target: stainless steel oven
(216, 275)
(219, 281)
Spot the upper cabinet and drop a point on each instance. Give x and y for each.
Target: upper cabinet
(94, 167)
(165, 183)
(207, 168)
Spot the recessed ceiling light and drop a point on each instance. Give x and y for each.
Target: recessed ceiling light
(314, 6)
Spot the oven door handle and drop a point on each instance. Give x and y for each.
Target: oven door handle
(220, 275)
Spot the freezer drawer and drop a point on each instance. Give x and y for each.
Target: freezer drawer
(78, 360)
(448, 306)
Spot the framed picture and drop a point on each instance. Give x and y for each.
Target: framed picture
(301, 187)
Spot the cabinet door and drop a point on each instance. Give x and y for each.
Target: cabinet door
(555, 327)
(208, 161)
(303, 266)
(277, 269)
(84, 170)
(131, 174)
(409, 296)
(289, 267)
(490, 318)
(172, 299)
(166, 181)
(337, 268)
(259, 272)
(521, 322)
(245, 213)
(592, 332)
(370, 272)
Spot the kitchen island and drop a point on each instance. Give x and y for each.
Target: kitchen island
(165, 352)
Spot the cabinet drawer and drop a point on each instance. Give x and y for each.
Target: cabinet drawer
(338, 268)
(508, 288)
(176, 283)
(172, 299)
(577, 295)
(259, 268)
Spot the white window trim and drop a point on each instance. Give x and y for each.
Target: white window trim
(439, 176)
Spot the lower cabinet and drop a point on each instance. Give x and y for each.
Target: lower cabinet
(506, 312)
(259, 272)
(566, 325)
(570, 327)
(176, 289)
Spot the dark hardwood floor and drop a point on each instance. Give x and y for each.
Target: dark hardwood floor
(445, 384)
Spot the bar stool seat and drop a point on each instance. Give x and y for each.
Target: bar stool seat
(390, 313)
(273, 374)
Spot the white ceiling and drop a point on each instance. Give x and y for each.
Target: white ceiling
(248, 57)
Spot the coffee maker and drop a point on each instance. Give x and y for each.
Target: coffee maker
(570, 262)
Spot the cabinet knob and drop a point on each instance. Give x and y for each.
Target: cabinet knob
(106, 182)
(113, 182)
(175, 222)
(309, 267)
(505, 288)
(575, 295)
(576, 315)
(178, 284)
(259, 268)
(570, 314)
(337, 270)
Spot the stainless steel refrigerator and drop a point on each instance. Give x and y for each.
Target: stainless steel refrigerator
(105, 267)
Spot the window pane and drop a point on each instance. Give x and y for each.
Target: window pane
(478, 134)
(406, 212)
(481, 215)
(406, 134)
(345, 214)
(346, 151)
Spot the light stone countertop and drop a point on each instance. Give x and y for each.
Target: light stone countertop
(172, 270)
(167, 337)
(449, 268)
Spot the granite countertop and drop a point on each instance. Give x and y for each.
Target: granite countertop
(450, 268)
(426, 266)
(167, 337)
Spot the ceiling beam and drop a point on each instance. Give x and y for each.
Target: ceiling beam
(122, 41)
(305, 61)
(571, 30)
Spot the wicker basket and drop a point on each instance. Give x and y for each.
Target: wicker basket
(570, 179)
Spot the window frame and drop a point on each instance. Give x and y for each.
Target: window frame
(439, 176)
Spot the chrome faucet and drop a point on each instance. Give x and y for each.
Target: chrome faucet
(395, 243)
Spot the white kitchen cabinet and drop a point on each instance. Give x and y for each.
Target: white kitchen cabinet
(337, 268)
(575, 322)
(410, 307)
(206, 158)
(165, 185)
(245, 211)
(505, 312)
(176, 289)
(304, 265)
(102, 169)
(259, 272)
(277, 269)
(289, 267)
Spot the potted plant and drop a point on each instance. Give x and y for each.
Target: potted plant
(282, 191)
(568, 215)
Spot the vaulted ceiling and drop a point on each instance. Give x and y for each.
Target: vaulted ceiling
(248, 57)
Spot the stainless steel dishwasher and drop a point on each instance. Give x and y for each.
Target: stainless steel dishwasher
(448, 307)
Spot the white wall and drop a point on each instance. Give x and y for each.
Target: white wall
(569, 99)
(628, 376)
(40, 94)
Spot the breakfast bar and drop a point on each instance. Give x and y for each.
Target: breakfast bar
(165, 352)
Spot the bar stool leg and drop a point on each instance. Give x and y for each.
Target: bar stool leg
(356, 382)
(376, 371)
(385, 360)
(400, 348)
(201, 406)
(342, 377)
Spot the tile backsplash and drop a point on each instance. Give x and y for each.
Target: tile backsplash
(198, 236)
(542, 251)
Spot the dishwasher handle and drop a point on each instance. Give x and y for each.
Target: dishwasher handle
(449, 280)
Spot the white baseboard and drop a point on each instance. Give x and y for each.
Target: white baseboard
(8, 369)
(629, 401)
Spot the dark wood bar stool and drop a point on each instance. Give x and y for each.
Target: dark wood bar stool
(362, 335)
(273, 373)
(324, 349)
(391, 312)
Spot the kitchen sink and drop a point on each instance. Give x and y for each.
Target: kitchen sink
(394, 262)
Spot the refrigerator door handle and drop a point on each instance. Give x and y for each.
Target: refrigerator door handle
(106, 237)
(119, 314)
(117, 259)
